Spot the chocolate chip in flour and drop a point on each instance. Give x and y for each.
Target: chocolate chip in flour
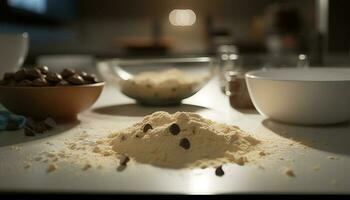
(147, 127)
(185, 143)
(174, 129)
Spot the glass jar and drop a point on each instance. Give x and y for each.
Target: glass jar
(238, 65)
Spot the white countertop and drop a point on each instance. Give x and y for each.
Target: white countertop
(114, 111)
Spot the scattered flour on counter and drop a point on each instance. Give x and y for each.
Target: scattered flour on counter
(79, 151)
(334, 182)
(316, 168)
(185, 139)
(172, 83)
(333, 157)
(178, 140)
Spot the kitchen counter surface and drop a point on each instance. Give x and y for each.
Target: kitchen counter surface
(320, 162)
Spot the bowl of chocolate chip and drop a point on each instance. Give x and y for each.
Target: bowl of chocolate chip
(40, 93)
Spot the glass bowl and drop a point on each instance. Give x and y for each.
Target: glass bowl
(161, 81)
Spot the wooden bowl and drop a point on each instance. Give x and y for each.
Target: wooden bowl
(62, 103)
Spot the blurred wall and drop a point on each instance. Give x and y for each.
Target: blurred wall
(103, 27)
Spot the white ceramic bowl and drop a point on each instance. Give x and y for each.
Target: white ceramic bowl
(13, 51)
(310, 96)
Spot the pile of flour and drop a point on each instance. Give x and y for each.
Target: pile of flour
(184, 139)
(167, 84)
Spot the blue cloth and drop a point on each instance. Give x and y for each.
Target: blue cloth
(6, 116)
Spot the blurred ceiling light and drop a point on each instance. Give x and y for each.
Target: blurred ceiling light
(182, 17)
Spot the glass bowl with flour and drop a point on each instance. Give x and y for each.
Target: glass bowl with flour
(163, 81)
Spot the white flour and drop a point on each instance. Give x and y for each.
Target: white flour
(195, 141)
(168, 84)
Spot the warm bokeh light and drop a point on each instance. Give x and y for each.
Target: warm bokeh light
(182, 17)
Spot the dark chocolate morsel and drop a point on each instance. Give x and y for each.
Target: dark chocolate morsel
(9, 76)
(50, 123)
(11, 83)
(67, 73)
(30, 123)
(124, 160)
(25, 82)
(82, 74)
(33, 73)
(62, 83)
(53, 77)
(147, 127)
(91, 78)
(174, 129)
(76, 80)
(39, 82)
(20, 74)
(28, 131)
(219, 171)
(43, 69)
(4, 82)
(40, 127)
(185, 143)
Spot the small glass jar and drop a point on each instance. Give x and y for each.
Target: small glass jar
(235, 86)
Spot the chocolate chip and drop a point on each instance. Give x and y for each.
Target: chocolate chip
(67, 73)
(9, 76)
(82, 74)
(123, 138)
(3, 82)
(147, 127)
(76, 80)
(174, 129)
(39, 82)
(30, 123)
(20, 74)
(33, 73)
(124, 160)
(50, 123)
(62, 83)
(28, 131)
(53, 77)
(185, 143)
(11, 126)
(11, 83)
(91, 78)
(41, 76)
(25, 82)
(43, 69)
(219, 171)
(40, 127)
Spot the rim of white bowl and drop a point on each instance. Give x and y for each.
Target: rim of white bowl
(345, 72)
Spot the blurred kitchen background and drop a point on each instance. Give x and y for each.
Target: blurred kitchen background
(134, 28)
